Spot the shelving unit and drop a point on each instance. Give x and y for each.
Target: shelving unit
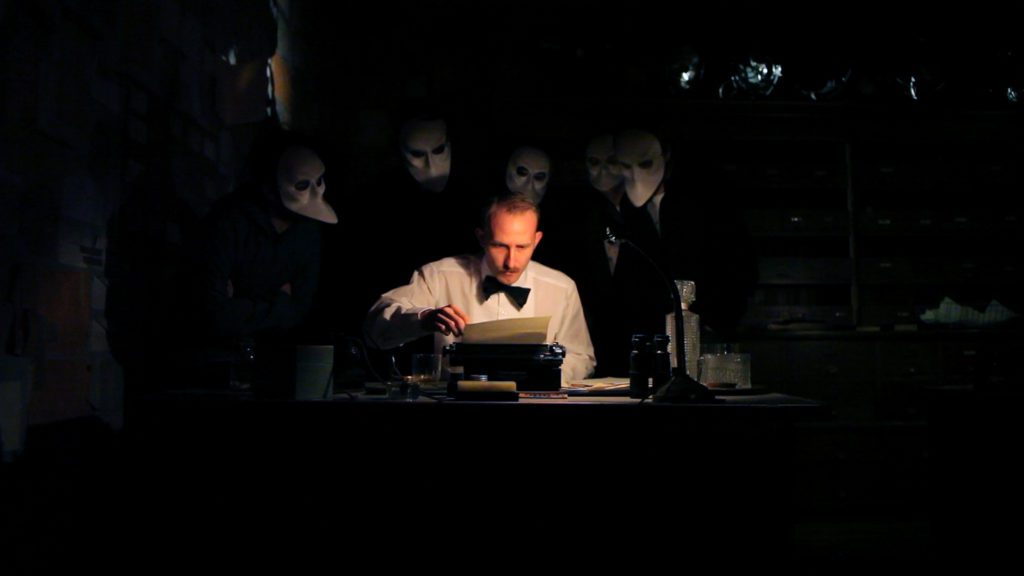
(863, 217)
(885, 212)
(794, 198)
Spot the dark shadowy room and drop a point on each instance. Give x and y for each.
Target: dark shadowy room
(295, 284)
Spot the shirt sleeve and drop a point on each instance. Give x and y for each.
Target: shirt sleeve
(395, 318)
(572, 333)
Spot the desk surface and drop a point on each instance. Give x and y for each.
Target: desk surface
(769, 404)
(767, 399)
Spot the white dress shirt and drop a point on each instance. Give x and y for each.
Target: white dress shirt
(395, 318)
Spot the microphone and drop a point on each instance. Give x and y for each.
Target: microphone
(681, 388)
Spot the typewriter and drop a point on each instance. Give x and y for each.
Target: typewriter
(533, 367)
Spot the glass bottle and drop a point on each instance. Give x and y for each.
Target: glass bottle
(691, 329)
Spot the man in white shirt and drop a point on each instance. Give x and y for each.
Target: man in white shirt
(445, 295)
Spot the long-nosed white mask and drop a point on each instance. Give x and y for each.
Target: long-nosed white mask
(528, 171)
(603, 169)
(300, 182)
(642, 162)
(427, 153)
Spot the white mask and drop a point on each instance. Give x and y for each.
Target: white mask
(427, 153)
(643, 164)
(527, 172)
(300, 182)
(603, 170)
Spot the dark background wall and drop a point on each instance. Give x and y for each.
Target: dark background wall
(122, 121)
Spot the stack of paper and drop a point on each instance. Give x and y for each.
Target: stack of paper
(595, 385)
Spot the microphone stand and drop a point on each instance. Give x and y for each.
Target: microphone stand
(681, 387)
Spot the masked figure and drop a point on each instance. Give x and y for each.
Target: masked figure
(415, 210)
(643, 165)
(528, 172)
(603, 170)
(301, 185)
(691, 231)
(427, 152)
(258, 260)
(592, 260)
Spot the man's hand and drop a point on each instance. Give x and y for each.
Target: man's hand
(448, 319)
(287, 288)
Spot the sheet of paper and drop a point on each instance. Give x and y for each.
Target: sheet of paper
(598, 384)
(511, 331)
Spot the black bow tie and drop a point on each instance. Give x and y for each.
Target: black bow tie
(518, 294)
